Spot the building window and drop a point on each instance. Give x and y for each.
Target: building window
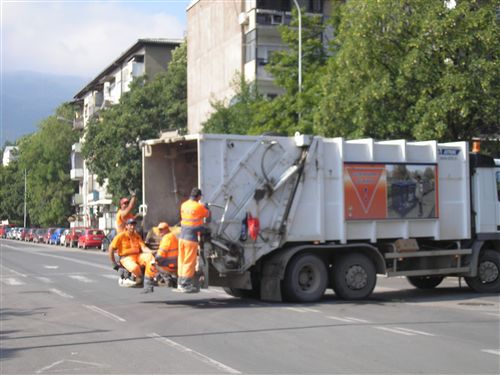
(310, 6)
(498, 185)
(250, 43)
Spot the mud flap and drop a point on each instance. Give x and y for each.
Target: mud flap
(270, 286)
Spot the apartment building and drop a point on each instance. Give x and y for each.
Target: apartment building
(227, 38)
(93, 204)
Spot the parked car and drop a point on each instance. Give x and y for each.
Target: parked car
(46, 237)
(29, 235)
(4, 229)
(12, 233)
(55, 237)
(72, 236)
(62, 239)
(39, 235)
(22, 233)
(91, 238)
(107, 240)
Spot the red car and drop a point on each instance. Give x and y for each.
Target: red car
(91, 238)
(71, 239)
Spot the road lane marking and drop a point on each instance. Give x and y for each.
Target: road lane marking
(296, 309)
(112, 277)
(415, 331)
(104, 313)
(83, 279)
(60, 293)
(51, 267)
(59, 257)
(308, 309)
(493, 314)
(14, 271)
(11, 281)
(492, 351)
(202, 357)
(70, 360)
(347, 319)
(396, 331)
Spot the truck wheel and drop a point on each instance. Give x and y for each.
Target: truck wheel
(488, 273)
(354, 277)
(306, 279)
(425, 282)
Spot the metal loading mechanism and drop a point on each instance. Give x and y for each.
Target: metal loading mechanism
(269, 188)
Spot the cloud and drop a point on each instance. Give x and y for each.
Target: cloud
(78, 38)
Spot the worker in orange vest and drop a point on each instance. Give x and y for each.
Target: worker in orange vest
(167, 254)
(193, 214)
(125, 212)
(133, 254)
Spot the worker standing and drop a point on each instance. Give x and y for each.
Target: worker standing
(125, 212)
(133, 254)
(192, 214)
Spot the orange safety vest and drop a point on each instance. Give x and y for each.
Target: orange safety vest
(192, 213)
(128, 244)
(168, 250)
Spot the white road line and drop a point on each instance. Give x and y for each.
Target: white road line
(415, 331)
(396, 331)
(92, 264)
(51, 267)
(384, 289)
(308, 309)
(14, 271)
(44, 279)
(296, 309)
(493, 314)
(105, 313)
(11, 281)
(83, 279)
(60, 293)
(357, 320)
(70, 361)
(492, 351)
(345, 320)
(194, 353)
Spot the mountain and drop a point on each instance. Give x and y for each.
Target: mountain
(29, 97)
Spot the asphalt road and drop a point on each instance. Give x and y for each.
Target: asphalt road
(62, 312)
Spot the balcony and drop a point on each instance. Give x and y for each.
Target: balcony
(76, 200)
(76, 174)
(93, 196)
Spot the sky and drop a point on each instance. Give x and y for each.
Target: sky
(81, 38)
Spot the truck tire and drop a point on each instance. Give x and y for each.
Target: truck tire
(488, 273)
(306, 278)
(354, 277)
(425, 282)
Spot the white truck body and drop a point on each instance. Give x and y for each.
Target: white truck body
(328, 192)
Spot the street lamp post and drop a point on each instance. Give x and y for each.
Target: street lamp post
(25, 198)
(300, 44)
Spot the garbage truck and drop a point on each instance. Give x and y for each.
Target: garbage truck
(292, 216)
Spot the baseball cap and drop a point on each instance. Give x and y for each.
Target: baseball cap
(131, 221)
(163, 225)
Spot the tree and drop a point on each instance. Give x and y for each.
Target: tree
(413, 69)
(12, 193)
(45, 155)
(112, 140)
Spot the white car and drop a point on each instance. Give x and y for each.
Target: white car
(62, 239)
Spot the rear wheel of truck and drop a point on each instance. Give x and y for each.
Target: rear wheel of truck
(306, 279)
(354, 277)
(425, 282)
(487, 279)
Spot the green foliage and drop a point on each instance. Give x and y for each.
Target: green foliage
(239, 116)
(45, 155)
(12, 193)
(112, 140)
(414, 70)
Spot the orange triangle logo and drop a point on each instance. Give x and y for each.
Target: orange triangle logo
(365, 180)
